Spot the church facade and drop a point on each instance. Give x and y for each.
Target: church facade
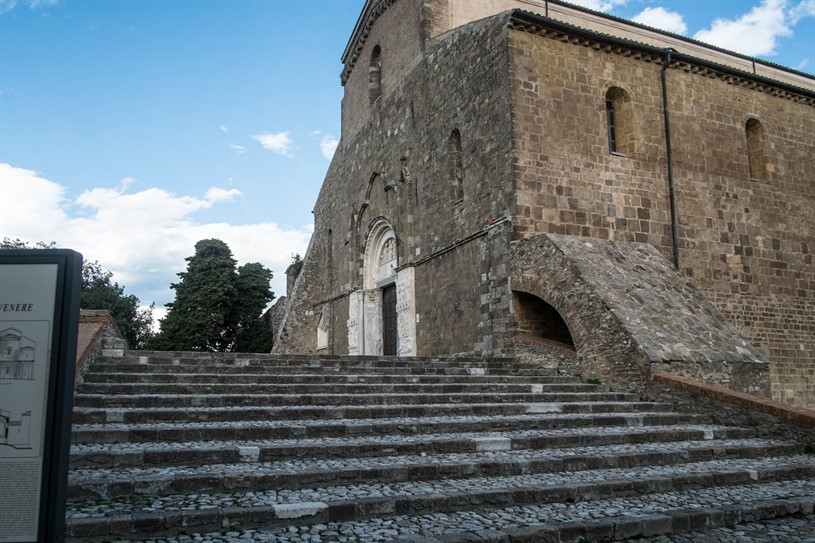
(469, 127)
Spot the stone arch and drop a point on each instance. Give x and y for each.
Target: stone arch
(379, 258)
(757, 149)
(381, 315)
(621, 126)
(539, 321)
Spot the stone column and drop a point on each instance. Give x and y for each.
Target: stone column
(406, 312)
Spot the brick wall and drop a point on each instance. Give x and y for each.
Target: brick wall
(745, 244)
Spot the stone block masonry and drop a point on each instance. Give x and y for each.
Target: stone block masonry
(457, 117)
(630, 313)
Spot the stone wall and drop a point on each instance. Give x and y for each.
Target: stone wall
(398, 169)
(745, 243)
(398, 33)
(97, 335)
(524, 100)
(630, 313)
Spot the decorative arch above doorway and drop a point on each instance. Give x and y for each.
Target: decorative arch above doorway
(381, 315)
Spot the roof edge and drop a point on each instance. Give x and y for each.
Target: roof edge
(527, 17)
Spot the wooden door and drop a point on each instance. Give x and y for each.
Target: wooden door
(389, 320)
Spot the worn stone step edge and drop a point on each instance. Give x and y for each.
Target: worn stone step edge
(252, 359)
(529, 371)
(688, 520)
(273, 476)
(169, 432)
(95, 415)
(308, 389)
(214, 400)
(309, 513)
(551, 485)
(203, 453)
(326, 377)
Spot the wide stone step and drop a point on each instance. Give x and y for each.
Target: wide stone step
(496, 459)
(323, 377)
(197, 453)
(316, 389)
(258, 399)
(158, 358)
(85, 415)
(438, 368)
(194, 453)
(152, 514)
(764, 512)
(282, 429)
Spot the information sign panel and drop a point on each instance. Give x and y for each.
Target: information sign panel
(39, 316)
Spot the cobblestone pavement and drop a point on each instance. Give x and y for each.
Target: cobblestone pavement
(496, 467)
(414, 528)
(785, 530)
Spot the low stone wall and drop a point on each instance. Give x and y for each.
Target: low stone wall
(97, 336)
(721, 405)
(547, 354)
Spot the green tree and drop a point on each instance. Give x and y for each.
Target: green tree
(99, 291)
(216, 307)
(252, 333)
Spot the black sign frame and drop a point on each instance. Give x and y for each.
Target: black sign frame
(56, 436)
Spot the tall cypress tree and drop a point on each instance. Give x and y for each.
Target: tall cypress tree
(216, 307)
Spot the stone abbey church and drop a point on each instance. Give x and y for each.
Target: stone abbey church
(528, 178)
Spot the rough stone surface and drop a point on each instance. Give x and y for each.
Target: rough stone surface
(481, 459)
(488, 126)
(630, 313)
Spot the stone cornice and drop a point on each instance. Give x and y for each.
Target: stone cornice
(541, 26)
(370, 13)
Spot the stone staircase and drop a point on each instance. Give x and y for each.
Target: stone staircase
(170, 446)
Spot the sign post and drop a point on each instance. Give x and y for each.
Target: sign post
(39, 320)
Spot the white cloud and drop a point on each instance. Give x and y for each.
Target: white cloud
(661, 18)
(30, 200)
(142, 237)
(221, 195)
(33, 4)
(7, 5)
(240, 149)
(599, 5)
(805, 8)
(280, 143)
(757, 32)
(328, 145)
(223, 129)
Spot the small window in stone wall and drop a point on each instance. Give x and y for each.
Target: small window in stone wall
(620, 124)
(456, 166)
(375, 75)
(757, 153)
(537, 320)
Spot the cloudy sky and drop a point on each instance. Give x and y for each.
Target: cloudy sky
(129, 130)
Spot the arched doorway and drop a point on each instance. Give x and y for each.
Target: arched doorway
(539, 322)
(381, 315)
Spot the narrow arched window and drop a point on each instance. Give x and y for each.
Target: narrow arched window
(757, 154)
(456, 167)
(620, 125)
(375, 75)
(612, 129)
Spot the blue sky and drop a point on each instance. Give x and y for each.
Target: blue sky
(131, 129)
